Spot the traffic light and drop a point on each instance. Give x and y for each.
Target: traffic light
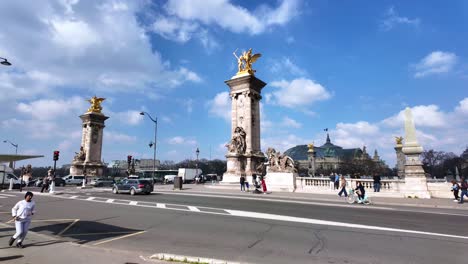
(129, 159)
(56, 155)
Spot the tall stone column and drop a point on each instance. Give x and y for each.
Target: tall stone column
(89, 158)
(245, 93)
(311, 157)
(400, 159)
(415, 179)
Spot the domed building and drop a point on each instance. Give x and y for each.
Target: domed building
(328, 157)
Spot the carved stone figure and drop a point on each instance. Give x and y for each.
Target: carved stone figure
(278, 162)
(95, 104)
(237, 143)
(399, 140)
(245, 60)
(80, 156)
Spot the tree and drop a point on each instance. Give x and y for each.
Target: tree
(432, 160)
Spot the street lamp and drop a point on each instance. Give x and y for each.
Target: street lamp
(16, 150)
(155, 121)
(196, 171)
(5, 62)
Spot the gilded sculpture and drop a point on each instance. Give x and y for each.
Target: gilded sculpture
(399, 140)
(95, 104)
(245, 61)
(310, 147)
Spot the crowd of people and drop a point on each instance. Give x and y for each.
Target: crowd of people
(459, 189)
(257, 181)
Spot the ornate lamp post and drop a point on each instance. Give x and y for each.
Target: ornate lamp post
(16, 150)
(155, 121)
(5, 62)
(196, 170)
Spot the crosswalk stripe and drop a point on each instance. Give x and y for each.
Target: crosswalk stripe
(110, 201)
(4, 194)
(193, 208)
(160, 205)
(90, 198)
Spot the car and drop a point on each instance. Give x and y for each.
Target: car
(101, 182)
(58, 182)
(74, 179)
(133, 186)
(16, 181)
(169, 178)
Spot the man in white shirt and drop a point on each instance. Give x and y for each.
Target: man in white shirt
(22, 213)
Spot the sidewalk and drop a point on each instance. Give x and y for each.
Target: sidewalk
(41, 248)
(219, 189)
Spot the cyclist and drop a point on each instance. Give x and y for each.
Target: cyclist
(360, 191)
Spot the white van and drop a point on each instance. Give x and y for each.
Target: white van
(73, 179)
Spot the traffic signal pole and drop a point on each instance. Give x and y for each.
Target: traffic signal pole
(52, 184)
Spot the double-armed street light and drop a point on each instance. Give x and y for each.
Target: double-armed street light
(4, 62)
(16, 149)
(153, 144)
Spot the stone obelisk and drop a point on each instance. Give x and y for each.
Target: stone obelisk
(415, 179)
(88, 161)
(400, 161)
(244, 154)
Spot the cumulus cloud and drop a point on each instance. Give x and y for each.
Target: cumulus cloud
(220, 106)
(424, 116)
(129, 117)
(286, 65)
(463, 106)
(299, 92)
(434, 63)
(289, 122)
(181, 141)
(51, 109)
(117, 137)
(392, 19)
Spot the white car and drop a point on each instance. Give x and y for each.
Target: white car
(73, 179)
(169, 178)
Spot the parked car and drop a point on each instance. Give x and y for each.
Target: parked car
(58, 182)
(101, 182)
(74, 179)
(133, 186)
(169, 178)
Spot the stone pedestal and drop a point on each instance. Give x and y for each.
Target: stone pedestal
(245, 96)
(281, 181)
(91, 141)
(400, 161)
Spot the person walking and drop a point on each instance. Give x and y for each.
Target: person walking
(377, 183)
(264, 188)
(337, 181)
(455, 190)
(22, 213)
(332, 181)
(464, 189)
(45, 184)
(242, 183)
(343, 186)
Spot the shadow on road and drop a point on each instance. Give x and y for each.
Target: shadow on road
(83, 232)
(11, 257)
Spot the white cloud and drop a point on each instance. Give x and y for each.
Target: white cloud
(392, 19)
(300, 92)
(434, 63)
(286, 65)
(50, 109)
(117, 137)
(289, 122)
(221, 106)
(424, 116)
(129, 117)
(282, 143)
(463, 106)
(174, 29)
(181, 141)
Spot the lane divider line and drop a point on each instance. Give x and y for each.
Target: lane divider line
(90, 198)
(133, 203)
(193, 208)
(73, 197)
(116, 238)
(160, 205)
(110, 201)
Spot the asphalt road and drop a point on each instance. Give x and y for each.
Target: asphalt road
(206, 230)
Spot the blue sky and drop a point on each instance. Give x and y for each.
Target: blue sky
(350, 66)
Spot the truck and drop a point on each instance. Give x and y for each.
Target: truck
(6, 173)
(189, 175)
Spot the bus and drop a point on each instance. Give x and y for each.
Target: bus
(158, 174)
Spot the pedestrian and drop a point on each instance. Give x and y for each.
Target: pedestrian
(337, 181)
(242, 183)
(332, 181)
(22, 213)
(455, 189)
(264, 187)
(343, 187)
(464, 189)
(360, 191)
(377, 183)
(45, 184)
(247, 186)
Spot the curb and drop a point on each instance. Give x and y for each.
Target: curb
(190, 259)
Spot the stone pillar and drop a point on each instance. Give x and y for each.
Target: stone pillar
(91, 140)
(400, 158)
(245, 93)
(311, 157)
(415, 179)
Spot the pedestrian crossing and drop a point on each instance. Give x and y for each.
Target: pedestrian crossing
(4, 195)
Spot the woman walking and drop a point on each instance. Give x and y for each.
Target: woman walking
(22, 213)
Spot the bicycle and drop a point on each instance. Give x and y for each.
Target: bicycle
(354, 198)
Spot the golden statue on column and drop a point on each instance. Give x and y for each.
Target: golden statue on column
(95, 104)
(245, 60)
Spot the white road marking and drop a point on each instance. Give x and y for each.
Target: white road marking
(110, 201)
(160, 205)
(3, 197)
(90, 198)
(193, 208)
(10, 195)
(332, 223)
(68, 227)
(73, 197)
(116, 238)
(133, 203)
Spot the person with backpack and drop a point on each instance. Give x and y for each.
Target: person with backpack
(464, 189)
